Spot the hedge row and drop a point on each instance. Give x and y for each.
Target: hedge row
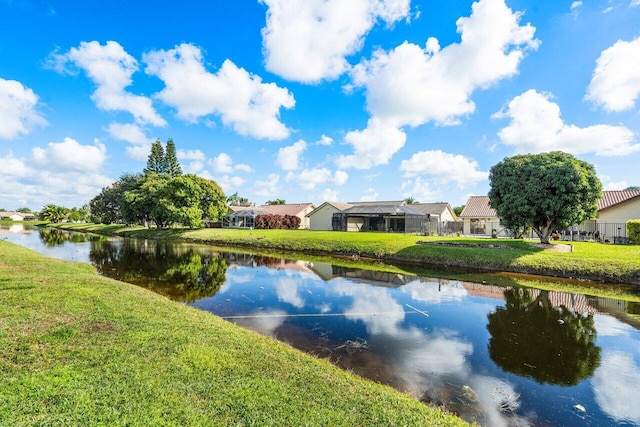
(633, 228)
(273, 222)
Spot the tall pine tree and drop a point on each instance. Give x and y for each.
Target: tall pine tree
(171, 164)
(156, 160)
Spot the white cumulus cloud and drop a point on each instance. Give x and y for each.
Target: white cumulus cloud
(110, 67)
(70, 155)
(196, 155)
(289, 157)
(444, 167)
(240, 98)
(268, 187)
(308, 179)
(536, 126)
(140, 144)
(223, 163)
(17, 109)
(309, 40)
(420, 190)
(66, 173)
(372, 146)
(615, 84)
(412, 85)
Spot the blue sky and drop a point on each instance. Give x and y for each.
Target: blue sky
(313, 100)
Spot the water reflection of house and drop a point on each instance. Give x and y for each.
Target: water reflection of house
(574, 302)
(235, 260)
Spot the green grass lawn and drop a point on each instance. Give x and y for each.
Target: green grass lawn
(603, 262)
(80, 349)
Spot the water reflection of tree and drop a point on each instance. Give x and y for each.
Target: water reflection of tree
(180, 274)
(530, 337)
(56, 237)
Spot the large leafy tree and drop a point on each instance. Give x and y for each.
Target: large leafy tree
(106, 207)
(544, 191)
(186, 199)
(140, 205)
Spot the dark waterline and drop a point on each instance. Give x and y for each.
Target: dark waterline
(493, 355)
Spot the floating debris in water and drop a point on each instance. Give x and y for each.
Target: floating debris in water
(469, 393)
(507, 401)
(352, 346)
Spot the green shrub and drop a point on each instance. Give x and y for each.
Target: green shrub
(633, 228)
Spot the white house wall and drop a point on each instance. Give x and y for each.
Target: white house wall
(621, 213)
(446, 216)
(321, 218)
(305, 222)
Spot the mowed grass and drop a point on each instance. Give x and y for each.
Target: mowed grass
(80, 349)
(603, 262)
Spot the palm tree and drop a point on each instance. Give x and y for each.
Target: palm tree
(410, 200)
(53, 213)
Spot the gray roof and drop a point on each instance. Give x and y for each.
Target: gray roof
(384, 203)
(382, 210)
(246, 213)
(430, 208)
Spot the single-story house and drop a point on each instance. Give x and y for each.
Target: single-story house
(479, 218)
(618, 206)
(244, 216)
(17, 216)
(379, 217)
(441, 219)
(321, 217)
(370, 216)
(441, 212)
(615, 208)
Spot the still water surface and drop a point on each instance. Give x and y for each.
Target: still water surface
(493, 355)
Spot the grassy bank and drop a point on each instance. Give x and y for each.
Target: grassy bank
(80, 349)
(592, 261)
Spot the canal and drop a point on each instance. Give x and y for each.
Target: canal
(497, 356)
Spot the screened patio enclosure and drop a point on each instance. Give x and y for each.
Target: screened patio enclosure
(242, 219)
(400, 219)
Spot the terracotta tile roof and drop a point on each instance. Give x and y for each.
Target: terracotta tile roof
(613, 198)
(288, 209)
(478, 207)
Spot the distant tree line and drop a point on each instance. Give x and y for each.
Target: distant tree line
(55, 213)
(161, 195)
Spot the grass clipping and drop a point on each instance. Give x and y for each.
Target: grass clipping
(80, 349)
